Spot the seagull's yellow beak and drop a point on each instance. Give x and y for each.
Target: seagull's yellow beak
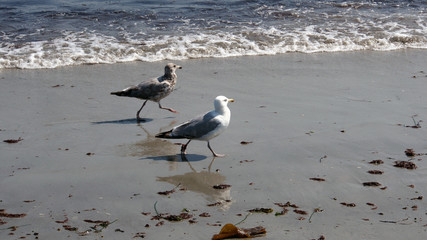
(230, 100)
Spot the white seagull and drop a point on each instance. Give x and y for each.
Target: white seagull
(204, 127)
(154, 89)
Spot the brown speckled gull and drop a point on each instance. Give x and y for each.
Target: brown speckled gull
(154, 89)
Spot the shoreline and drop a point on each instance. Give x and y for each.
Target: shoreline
(307, 116)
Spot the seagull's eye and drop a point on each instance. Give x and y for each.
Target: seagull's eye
(225, 100)
(174, 65)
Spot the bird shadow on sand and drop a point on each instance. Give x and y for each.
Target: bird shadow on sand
(177, 158)
(125, 121)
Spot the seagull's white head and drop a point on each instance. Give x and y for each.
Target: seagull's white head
(221, 102)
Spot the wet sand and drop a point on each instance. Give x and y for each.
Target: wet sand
(83, 157)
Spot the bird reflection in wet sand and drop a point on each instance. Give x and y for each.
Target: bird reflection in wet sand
(203, 182)
(151, 146)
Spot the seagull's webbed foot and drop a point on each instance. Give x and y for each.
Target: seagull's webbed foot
(139, 119)
(215, 154)
(218, 155)
(170, 109)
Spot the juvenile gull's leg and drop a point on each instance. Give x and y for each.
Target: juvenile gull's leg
(137, 113)
(170, 109)
(215, 155)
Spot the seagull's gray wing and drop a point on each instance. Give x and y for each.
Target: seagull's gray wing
(197, 127)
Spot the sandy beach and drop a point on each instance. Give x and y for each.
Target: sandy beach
(304, 129)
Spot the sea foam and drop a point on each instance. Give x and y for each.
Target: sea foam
(90, 47)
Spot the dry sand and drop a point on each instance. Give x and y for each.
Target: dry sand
(84, 157)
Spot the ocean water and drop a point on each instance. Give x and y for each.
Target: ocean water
(53, 33)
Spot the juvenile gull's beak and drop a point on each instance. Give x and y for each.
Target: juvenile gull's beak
(230, 100)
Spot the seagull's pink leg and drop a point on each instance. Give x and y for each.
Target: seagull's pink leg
(169, 109)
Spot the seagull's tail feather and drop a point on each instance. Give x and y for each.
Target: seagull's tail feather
(167, 134)
(164, 134)
(121, 93)
(128, 92)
